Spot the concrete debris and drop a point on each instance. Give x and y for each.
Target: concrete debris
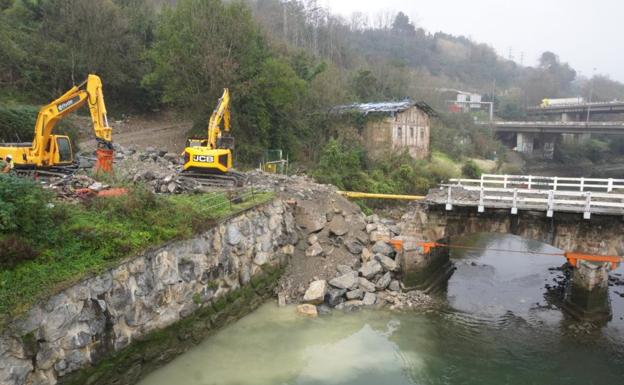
(347, 281)
(316, 292)
(358, 262)
(307, 310)
(371, 269)
(387, 263)
(366, 285)
(383, 248)
(314, 251)
(355, 294)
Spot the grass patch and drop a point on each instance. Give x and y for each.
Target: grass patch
(80, 240)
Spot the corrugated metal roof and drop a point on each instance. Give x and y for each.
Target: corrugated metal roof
(391, 107)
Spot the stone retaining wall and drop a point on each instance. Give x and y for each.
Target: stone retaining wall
(219, 274)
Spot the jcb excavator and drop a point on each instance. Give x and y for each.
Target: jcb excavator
(209, 160)
(54, 153)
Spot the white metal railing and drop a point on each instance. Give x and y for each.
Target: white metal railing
(532, 182)
(541, 193)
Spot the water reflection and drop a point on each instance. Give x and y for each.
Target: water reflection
(497, 324)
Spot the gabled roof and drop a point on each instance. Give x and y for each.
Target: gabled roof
(390, 107)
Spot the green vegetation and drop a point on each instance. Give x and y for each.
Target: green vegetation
(594, 150)
(66, 242)
(286, 62)
(344, 164)
(18, 124)
(471, 170)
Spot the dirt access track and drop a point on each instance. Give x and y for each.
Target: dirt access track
(163, 131)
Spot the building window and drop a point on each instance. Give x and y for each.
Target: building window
(412, 132)
(421, 134)
(399, 132)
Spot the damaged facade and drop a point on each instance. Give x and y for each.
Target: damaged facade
(393, 126)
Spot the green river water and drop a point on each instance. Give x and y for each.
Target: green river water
(496, 324)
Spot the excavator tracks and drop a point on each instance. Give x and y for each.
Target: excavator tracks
(230, 179)
(53, 172)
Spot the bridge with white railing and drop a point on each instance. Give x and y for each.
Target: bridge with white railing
(585, 196)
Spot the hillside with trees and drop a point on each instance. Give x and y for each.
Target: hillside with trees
(286, 62)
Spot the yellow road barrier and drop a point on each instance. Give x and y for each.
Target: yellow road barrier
(362, 195)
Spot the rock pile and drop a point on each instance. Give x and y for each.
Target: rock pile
(372, 280)
(343, 259)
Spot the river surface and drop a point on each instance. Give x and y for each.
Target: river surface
(496, 323)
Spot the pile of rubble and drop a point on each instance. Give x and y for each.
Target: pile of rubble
(343, 259)
(156, 169)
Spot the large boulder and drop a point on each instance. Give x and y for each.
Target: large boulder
(369, 299)
(387, 263)
(316, 292)
(355, 294)
(347, 281)
(354, 246)
(384, 281)
(307, 309)
(366, 285)
(338, 226)
(371, 269)
(335, 296)
(383, 248)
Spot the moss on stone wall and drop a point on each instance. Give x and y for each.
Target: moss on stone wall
(131, 364)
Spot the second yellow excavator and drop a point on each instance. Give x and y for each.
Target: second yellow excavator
(53, 153)
(209, 160)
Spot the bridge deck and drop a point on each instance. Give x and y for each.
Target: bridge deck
(534, 193)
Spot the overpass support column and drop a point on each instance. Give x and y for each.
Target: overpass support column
(587, 294)
(524, 143)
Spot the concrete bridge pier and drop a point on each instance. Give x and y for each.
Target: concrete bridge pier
(426, 271)
(587, 294)
(540, 145)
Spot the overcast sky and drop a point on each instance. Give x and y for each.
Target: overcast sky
(585, 33)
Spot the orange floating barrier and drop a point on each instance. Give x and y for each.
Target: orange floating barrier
(397, 244)
(573, 259)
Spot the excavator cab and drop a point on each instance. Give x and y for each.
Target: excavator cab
(227, 142)
(63, 153)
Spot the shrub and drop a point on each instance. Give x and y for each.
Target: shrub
(14, 250)
(25, 208)
(471, 170)
(18, 124)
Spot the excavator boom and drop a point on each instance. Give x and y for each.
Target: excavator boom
(220, 113)
(48, 150)
(210, 159)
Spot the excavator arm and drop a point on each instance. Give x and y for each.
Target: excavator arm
(89, 92)
(220, 113)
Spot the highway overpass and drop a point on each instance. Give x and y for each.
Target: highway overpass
(612, 128)
(616, 107)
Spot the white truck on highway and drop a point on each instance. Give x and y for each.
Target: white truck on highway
(562, 101)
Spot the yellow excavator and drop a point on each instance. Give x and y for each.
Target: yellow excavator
(53, 153)
(209, 160)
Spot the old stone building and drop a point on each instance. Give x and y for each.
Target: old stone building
(392, 127)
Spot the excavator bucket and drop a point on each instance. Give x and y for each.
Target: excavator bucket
(104, 160)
